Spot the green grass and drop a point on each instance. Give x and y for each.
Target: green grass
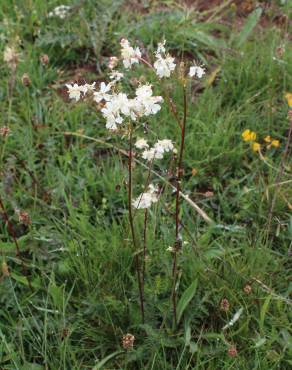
(77, 251)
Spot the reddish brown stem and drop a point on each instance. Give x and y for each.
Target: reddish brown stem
(131, 221)
(144, 245)
(13, 234)
(177, 209)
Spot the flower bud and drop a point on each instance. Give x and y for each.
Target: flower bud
(232, 351)
(113, 61)
(4, 131)
(44, 59)
(23, 217)
(5, 269)
(128, 341)
(247, 289)
(25, 80)
(224, 305)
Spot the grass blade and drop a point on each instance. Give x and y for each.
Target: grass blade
(186, 298)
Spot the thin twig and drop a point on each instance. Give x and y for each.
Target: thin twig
(270, 291)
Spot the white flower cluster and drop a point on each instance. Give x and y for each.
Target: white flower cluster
(60, 11)
(197, 70)
(129, 54)
(10, 56)
(164, 63)
(157, 151)
(75, 91)
(145, 200)
(119, 105)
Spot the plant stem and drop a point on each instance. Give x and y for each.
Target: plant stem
(13, 234)
(281, 171)
(131, 221)
(144, 245)
(177, 208)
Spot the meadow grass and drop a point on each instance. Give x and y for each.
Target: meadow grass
(77, 252)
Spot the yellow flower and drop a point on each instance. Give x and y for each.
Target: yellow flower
(268, 139)
(288, 97)
(249, 135)
(256, 147)
(275, 143)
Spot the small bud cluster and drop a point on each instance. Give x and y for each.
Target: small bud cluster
(128, 341)
(4, 131)
(23, 217)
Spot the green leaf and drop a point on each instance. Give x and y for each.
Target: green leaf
(250, 24)
(31, 366)
(57, 295)
(186, 299)
(35, 283)
(264, 311)
(193, 347)
(208, 40)
(106, 359)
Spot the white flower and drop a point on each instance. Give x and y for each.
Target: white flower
(113, 61)
(75, 91)
(145, 200)
(158, 150)
(88, 88)
(141, 144)
(129, 54)
(164, 64)
(60, 11)
(151, 154)
(116, 76)
(113, 108)
(102, 94)
(147, 104)
(161, 48)
(10, 55)
(164, 145)
(197, 71)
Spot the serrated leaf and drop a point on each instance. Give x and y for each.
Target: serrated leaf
(186, 298)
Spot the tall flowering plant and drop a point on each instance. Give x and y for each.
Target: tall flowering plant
(125, 113)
